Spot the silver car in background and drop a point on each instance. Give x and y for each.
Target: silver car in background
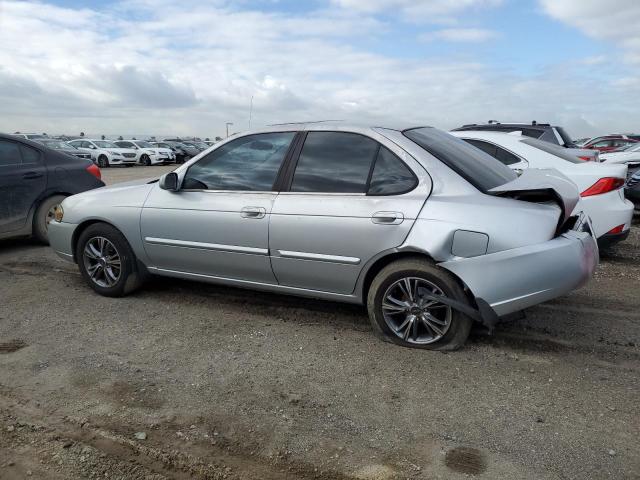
(430, 233)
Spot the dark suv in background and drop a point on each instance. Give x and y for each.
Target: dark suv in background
(541, 131)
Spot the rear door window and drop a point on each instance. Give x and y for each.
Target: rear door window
(29, 155)
(499, 153)
(334, 162)
(486, 147)
(9, 153)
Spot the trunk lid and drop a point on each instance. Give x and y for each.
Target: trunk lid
(542, 186)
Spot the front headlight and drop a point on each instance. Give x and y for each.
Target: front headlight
(58, 213)
(117, 154)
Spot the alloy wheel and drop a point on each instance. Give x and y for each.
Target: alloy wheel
(102, 262)
(413, 317)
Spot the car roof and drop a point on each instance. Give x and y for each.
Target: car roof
(329, 125)
(529, 125)
(512, 137)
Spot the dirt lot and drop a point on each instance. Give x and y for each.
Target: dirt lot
(186, 380)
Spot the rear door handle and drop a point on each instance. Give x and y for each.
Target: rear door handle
(387, 218)
(31, 175)
(253, 212)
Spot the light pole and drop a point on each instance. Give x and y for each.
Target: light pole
(250, 111)
(228, 123)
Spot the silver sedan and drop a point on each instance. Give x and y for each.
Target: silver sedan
(429, 232)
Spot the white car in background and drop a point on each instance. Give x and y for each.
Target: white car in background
(105, 153)
(629, 156)
(147, 154)
(600, 184)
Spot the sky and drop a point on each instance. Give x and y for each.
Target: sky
(187, 68)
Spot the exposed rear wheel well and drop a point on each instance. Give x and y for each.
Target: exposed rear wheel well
(386, 260)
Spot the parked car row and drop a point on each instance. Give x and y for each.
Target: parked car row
(106, 153)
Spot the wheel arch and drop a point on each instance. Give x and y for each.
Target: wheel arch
(377, 266)
(43, 196)
(81, 228)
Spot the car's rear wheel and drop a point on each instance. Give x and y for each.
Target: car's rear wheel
(145, 160)
(103, 161)
(44, 214)
(403, 310)
(106, 261)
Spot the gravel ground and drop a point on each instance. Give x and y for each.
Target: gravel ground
(186, 380)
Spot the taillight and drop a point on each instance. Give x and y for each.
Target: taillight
(586, 159)
(617, 229)
(95, 171)
(604, 185)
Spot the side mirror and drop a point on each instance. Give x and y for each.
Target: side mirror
(169, 182)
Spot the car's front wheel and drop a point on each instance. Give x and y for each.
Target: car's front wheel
(106, 261)
(145, 160)
(404, 307)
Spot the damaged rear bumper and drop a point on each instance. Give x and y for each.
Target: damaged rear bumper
(515, 279)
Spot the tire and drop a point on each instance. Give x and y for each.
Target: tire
(103, 161)
(435, 326)
(44, 214)
(121, 282)
(145, 160)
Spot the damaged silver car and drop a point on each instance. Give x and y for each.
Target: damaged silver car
(430, 233)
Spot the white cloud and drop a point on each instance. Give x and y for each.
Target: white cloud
(154, 67)
(412, 8)
(473, 35)
(617, 21)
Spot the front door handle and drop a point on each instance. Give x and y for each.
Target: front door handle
(387, 218)
(31, 175)
(253, 212)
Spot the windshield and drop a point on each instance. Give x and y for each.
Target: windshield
(552, 149)
(57, 144)
(478, 168)
(105, 144)
(144, 144)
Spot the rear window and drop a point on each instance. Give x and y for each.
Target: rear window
(552, 149)
(481, 170)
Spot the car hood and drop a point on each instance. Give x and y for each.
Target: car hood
(536, 184)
